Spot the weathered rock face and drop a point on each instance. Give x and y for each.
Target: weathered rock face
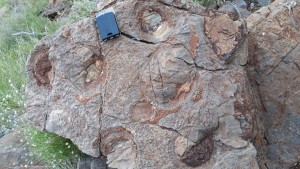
(166, 100)
(275, 61)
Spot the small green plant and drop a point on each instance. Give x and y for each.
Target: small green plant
(209, 3)
(53, 150)
(205, 3)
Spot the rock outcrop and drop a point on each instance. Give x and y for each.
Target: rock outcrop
(274, 37)
(171, 92)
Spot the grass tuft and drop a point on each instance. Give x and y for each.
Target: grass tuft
(206, 3)
(51, 149)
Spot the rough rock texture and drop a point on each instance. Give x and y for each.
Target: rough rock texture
(274, 34)
(167, 93)
(238, 8)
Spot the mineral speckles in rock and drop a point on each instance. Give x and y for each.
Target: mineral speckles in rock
(198, 95)
(141, 111)
(94, 71)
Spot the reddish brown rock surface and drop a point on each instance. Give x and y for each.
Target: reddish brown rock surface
(170, 92)
(274, 49)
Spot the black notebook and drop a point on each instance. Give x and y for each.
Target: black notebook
(107, 24)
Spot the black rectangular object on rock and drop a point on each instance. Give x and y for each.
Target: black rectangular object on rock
(107, 25)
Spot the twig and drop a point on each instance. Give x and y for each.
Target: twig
(289, 6)
(28, 34)
(237, 10)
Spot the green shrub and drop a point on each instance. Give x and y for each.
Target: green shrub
(206, 3)
(81, 9)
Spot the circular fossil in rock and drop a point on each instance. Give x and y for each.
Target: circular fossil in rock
(118, 146)
(150, 20)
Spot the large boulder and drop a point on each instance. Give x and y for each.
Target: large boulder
(274, 37)
(167, 93)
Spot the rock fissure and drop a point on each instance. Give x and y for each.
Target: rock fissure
(211, 70)
(288, 53)
(172, 6)
(296, 64)
(169, 129)
(137, 39)
(45, 123)
(162, 80)
(152, 87)
(266, 165)
(188, 63)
